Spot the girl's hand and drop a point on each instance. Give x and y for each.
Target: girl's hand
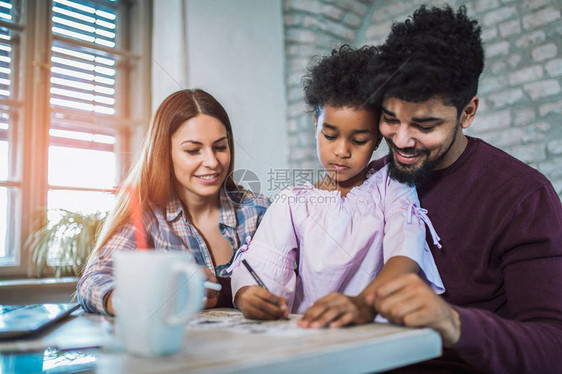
(337, 310)
(258, 303)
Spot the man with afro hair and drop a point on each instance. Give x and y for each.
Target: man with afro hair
(500, 221)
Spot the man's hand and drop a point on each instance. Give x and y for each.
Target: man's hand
(336, 310)
(258, 303)
(211, 296)
(408, 300)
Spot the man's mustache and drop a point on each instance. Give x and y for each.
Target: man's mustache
(409, 150)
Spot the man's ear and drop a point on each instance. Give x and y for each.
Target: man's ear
(468, 112)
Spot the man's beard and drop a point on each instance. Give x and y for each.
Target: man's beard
(416, 176)
(413, 176)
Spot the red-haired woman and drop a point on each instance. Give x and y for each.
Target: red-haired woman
(187, 196)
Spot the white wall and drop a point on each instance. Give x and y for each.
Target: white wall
(169, 49)
(235, 51)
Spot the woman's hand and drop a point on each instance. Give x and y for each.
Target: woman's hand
(336, 310)
(109, 303)
(258, 303)
(211, 296)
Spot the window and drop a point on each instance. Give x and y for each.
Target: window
(86, 108)
(72, 97)
(10, 116)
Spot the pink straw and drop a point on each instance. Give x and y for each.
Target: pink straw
(136, 217)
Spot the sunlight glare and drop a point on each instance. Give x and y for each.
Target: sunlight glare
(81, 7)
(70, 52)
(72, 14)
(81, 167)
(73, 34)
(107, 15)
(76, 64)
(72, 73)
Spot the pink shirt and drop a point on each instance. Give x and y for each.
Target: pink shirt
(338, 244)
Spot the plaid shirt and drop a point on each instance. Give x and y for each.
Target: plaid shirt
(169, 229)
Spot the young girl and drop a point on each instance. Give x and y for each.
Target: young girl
(337, 235)
(187, 195)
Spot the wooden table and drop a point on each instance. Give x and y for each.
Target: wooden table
(255, 348)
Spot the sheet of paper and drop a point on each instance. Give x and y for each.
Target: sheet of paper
(235, 321)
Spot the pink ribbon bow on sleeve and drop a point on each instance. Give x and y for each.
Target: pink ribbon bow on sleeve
(421, 213)
(239, 256)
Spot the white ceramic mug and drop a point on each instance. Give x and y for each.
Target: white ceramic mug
(156, 294)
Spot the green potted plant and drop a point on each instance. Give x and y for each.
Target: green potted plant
(65, 241)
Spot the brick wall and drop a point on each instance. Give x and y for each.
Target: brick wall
(520, 90)
(313, 29)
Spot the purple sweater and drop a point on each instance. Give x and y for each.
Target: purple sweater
(500, 223)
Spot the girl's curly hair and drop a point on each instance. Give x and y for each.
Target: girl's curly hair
(337, 79)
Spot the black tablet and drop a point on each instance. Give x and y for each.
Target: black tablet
(18, 321)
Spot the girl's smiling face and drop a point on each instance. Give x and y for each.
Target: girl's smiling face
(346, 138)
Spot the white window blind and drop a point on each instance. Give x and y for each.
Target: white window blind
(83, 79)
(88, 59)
(83, 74)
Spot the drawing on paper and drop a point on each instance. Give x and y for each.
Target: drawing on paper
(235, 321)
